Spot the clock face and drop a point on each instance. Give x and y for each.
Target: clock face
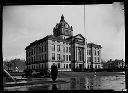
(66, 25)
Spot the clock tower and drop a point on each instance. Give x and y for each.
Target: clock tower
(63, 29)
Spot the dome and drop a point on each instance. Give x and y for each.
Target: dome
(62, 28)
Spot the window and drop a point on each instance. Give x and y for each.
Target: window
(45, 48)
(98, 52)
(69, 57)
(27, 67)
(95, 52)
(59, 65)
(88, 66)
(53, 56)
(80, 54)
(34, 58)
(42, 66)
(32, 51)
(66, 57)
(58, 56)
(45, 65)
(89, 59)
(91, 66)
(69, 49)
(66, 65)
(39, 57)
(98, 59)
(53, 47)
(42, 58)
(35, 50)
(34, 67)
(45, 57)
(42, 48)
(89, 52)
(29, 61)
(63, 49)
(95, 59)
(66, 49)
(38, 49)
(58, 48)
(69, 65)
(29, 53)
(96, 66)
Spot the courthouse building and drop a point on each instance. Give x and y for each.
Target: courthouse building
(68, 52)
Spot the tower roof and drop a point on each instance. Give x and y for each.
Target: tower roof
(62, 28)
(62, 18)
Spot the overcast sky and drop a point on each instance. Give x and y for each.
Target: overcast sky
(104, 24)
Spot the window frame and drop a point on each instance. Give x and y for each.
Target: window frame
(53, 47)
(66, 57)
(53, 56)
(58, 48)
(66, 49)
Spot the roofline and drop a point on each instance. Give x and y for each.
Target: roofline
(89, 44)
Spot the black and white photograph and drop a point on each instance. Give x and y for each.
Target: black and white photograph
(64, 47)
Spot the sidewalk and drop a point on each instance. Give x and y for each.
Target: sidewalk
(33, 81)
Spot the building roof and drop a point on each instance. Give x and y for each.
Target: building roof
(57, 32)
(48, 37)
(93, 45)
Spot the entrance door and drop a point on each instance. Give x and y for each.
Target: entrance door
(80, 66)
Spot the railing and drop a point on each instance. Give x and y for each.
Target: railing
(8, 74)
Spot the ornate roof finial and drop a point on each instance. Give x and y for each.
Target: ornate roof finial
(62, 18)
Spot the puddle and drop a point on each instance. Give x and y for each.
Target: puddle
(83, 83)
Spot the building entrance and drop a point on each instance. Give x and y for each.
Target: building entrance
(80, 66)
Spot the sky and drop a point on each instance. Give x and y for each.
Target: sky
(104, 25)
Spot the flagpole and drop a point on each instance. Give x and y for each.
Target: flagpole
(85, 40)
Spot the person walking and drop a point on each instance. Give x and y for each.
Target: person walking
(54, 72)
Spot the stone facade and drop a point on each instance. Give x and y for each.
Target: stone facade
(68, 52)
(94, 56)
